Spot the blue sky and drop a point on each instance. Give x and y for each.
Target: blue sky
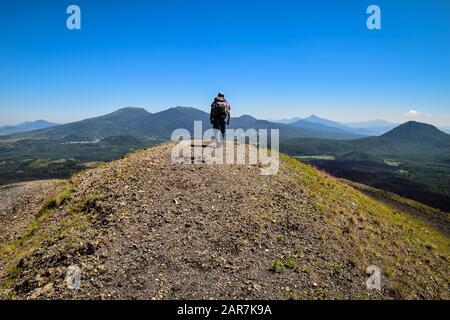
(273, 59)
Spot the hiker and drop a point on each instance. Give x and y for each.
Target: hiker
(219, 115)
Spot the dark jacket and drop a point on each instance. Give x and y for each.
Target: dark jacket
(214, 104)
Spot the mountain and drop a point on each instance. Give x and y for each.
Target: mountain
(374, 128)
(367, 128)
(26, 126)
(417, 133)
(286, 121)
(293, 130)
(412, 160)
(141, 124)
(379, 123)
(333, 124)
(361, 129)
(146, 228)
(126, 121)
(408, 140)
(338, 133)
(312, 119)
(62, 150)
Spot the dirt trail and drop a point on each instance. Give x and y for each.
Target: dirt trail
(146, 228)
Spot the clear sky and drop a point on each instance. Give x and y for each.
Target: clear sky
(273, 59)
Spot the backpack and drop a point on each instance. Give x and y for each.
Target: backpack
(220, 110)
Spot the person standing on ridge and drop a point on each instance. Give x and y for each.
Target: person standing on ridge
(219, 115)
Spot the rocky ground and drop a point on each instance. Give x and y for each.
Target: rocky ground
(147, 228)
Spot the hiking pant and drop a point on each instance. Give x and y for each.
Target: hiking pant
(219, 125)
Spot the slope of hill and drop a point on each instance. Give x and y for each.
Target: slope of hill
(411, 160)
(19, 202)
(26, 126)
(145, 228)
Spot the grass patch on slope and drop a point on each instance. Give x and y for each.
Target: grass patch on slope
(406, 249)
(46, 210)
(59, 221)
(38, 232)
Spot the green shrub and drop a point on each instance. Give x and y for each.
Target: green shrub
(277, 266)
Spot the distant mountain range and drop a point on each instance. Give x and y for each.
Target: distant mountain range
(412, 160)
(411, 140)
(287, 121)
(368, 128)
(139, 123)
(26, 127)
